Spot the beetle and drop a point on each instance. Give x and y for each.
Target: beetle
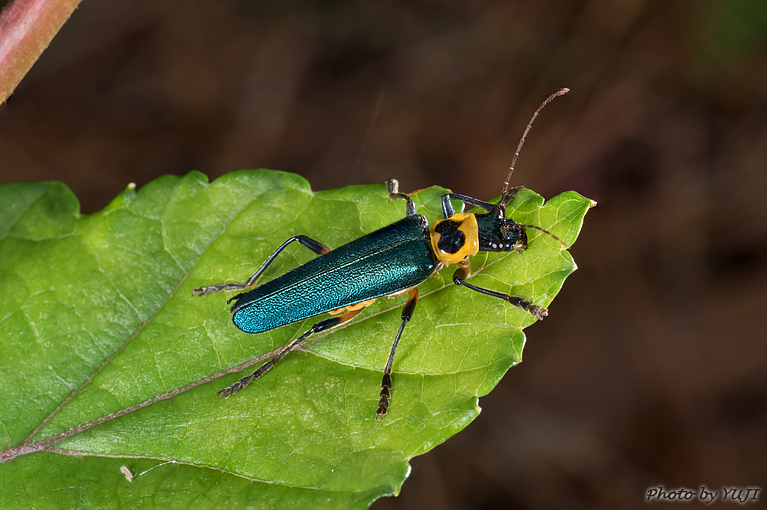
(389, 262)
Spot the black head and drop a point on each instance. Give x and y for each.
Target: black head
(498, 233)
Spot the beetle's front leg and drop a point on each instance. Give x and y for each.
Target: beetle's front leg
(462, 273)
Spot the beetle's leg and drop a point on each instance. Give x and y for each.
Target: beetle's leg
(323, 325)
(394, 194)
(316, 246)
(386, 383)
(463, 272)
(513, 192)
(447, 207)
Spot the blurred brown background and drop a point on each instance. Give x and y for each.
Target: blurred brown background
(650, 369)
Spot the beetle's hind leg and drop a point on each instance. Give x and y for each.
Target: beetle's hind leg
(463, 272)
(316, 246)
(386, 383)
(323, 325)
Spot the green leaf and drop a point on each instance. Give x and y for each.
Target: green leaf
(107, 361)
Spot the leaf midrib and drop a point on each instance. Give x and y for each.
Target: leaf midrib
(141, 327)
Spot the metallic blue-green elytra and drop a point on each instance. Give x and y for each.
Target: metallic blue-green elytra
(400, 253)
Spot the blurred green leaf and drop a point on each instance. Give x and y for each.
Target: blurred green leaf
(107, 361)
(731, 33)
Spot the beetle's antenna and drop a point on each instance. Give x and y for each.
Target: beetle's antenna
(505, 196)
(567, 246)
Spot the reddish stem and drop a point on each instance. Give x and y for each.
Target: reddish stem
(26, 29)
